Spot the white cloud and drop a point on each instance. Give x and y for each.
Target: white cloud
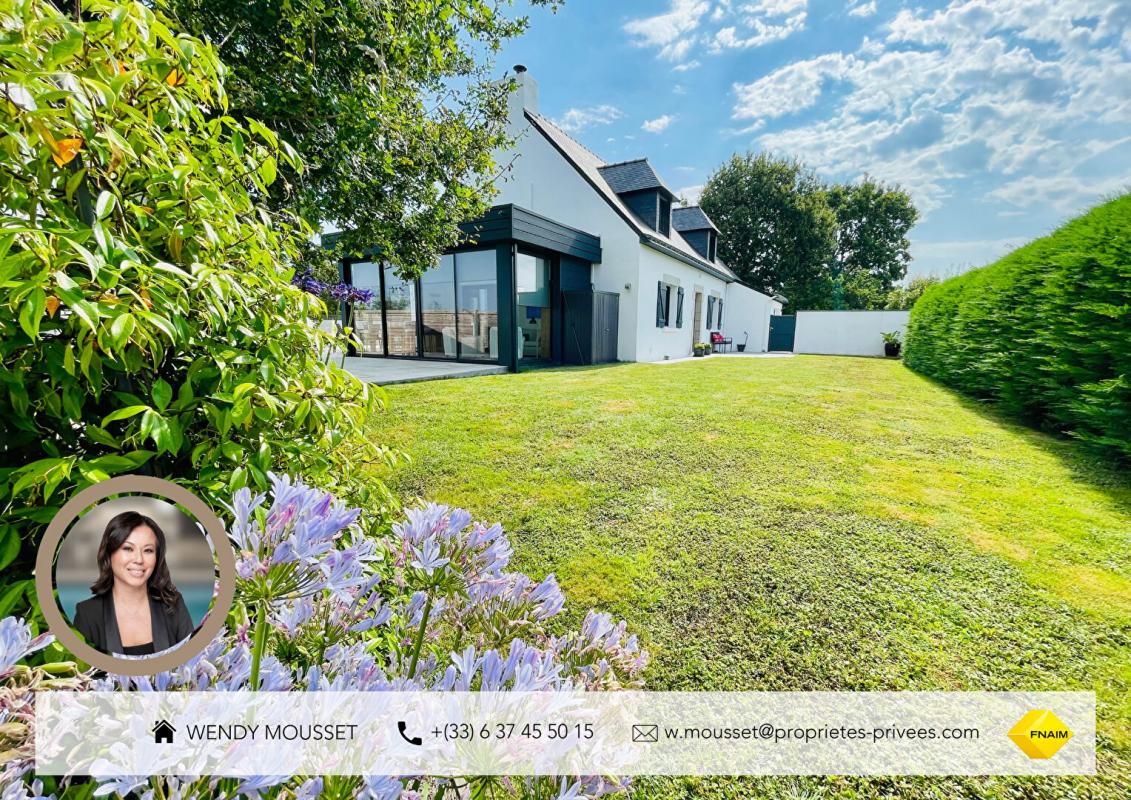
(686, 67)
(760, 23)
(1066, 193)
(1021, 94)
(578, 119)
(749, 129)
(775, 8)
(667, 30)
(950, 258)
(691, 193)
(862, 10)
(659, 124)
(792, 88)
(686, 27)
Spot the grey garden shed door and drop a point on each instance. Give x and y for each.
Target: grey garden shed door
(782, 329)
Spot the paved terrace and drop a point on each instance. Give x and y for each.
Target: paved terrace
(385, 371)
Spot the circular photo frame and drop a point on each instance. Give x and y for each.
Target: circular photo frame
(108, 493)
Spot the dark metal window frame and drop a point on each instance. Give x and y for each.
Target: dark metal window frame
(554, 290)
(347, 276)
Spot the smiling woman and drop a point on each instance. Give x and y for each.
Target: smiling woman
(136, 608)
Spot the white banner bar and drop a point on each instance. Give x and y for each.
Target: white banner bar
(241, 734)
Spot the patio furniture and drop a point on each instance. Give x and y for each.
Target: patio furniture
(719, 343)
(449, 335)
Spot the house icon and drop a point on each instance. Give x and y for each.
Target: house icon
(163, 733)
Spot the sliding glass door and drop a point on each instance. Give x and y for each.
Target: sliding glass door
(478, 294)
(400, 314)
(368, 330)
(533, 307)
(438, 310)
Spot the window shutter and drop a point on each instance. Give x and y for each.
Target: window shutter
(660, 316)
(679, 308)
(710, 313)
(720, 313)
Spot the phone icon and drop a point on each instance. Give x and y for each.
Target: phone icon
(416, 740)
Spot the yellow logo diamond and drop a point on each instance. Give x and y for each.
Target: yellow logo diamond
(1040, 734)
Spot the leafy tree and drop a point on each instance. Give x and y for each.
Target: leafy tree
(148, 323)
(390, 103)
(902, 298)
(872, 248)
(776, 230)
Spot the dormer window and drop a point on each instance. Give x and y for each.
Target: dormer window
(642, 191)
(697, 230)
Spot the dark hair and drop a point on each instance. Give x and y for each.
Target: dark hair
(118, 529)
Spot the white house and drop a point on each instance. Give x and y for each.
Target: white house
(579, 261)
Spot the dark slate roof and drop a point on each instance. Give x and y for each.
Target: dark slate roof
(632, 176)
(691, 218)
(592, 168)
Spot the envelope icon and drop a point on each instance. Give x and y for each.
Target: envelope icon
(645, 733)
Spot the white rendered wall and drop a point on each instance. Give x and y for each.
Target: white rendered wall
(746, 311)
(541, 180)
(658, 344)
(846, 333)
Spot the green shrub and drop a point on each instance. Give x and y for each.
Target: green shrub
(148, 323)
(1045, 331)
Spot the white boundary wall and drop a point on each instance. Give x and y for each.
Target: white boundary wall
(846, 333)
(747, 311)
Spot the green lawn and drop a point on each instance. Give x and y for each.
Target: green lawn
(803, 523)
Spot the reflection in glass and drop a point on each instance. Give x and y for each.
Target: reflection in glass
(478, 305)
(532, 286)
(400, 314)
(366, 321)
(438, 309)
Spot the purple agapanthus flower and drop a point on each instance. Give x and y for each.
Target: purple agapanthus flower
(302, 535)
(310, 790)
(382, 787)
(308, 283)
(292, 549)
(361, 296)
(251, 787)
(16, 643)
(337, 292)
(16, 790)
(428, 557)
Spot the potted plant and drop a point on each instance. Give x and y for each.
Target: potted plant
(701, 349)
(742, 347)
(892, 344)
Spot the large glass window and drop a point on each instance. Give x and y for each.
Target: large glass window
(400, 314)
(532, 288)
(478, 304)
(438, 309)
(367, 329)
(451, 311)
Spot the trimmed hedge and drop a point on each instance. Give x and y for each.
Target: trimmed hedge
(1045, 332)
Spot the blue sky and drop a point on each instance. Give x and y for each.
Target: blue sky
(1002, 118)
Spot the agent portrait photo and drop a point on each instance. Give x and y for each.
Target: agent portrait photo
(128, 569)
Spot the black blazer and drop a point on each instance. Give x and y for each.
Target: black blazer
(96, 621)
